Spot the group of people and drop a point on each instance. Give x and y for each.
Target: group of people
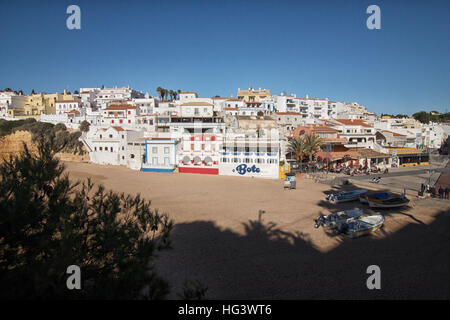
(442, 193)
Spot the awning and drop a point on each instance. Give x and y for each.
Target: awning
(186, 160)
(197, 159)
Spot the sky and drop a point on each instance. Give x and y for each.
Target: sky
(320, 48)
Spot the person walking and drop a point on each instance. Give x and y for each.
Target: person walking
(446, 192)
(441, 192)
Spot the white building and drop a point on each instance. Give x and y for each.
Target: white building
(160, 154)
(146, 105)
(106, 96)
(196, 109)
(10, 100)
(199, 153)
(250, 157)
(120, 115)
(65, 106)
(109, 145)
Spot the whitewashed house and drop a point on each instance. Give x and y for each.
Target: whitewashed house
(120, 115)
(66, 106)
(109, 145)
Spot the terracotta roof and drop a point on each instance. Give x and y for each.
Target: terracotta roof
(118, 128)
(120, 107)
(74, 111)
(351, 122)
(221, 98)
(395, 134)
(369, 153)
(228, 108)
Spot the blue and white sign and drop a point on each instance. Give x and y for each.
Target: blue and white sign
(249, 170)
(243, 169)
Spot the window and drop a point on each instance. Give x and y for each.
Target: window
(95, 148)
(101, 149)
(261, 161)
(110, 135)
(166, 161)
(132, 156)
(155, 161)
(236, 160)
(166, 150)
(123, 137)
(112, 149)
(100, 136)
(247, 160)
(155, 150)
(106, 148)
(271, 161)
(129, 121)
(123, 148)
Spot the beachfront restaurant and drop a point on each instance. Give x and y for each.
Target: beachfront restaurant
(406, 157)
(250, 157)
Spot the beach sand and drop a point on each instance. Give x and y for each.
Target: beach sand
(220, 240)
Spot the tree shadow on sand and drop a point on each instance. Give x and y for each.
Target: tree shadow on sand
(267, 262)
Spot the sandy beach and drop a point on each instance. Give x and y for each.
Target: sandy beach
(220, 240)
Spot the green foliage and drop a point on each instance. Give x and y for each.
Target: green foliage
(193, 290)
(297, 147)
(425, 117)
(397, 116)
(306, 145)
(42, 131)
(84, 126)
(48, 223)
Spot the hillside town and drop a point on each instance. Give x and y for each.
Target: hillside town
(246, 135)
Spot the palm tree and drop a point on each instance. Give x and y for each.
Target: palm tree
(172, 94)
(159, 91)
(313, 144)
(297, 147)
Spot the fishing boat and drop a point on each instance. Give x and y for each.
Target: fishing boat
(376, 194)
(333, 220)
(386, 200)
(346, 196)
(361, 226)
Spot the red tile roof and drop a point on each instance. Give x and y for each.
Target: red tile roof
(351, 122)
(395, 134)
